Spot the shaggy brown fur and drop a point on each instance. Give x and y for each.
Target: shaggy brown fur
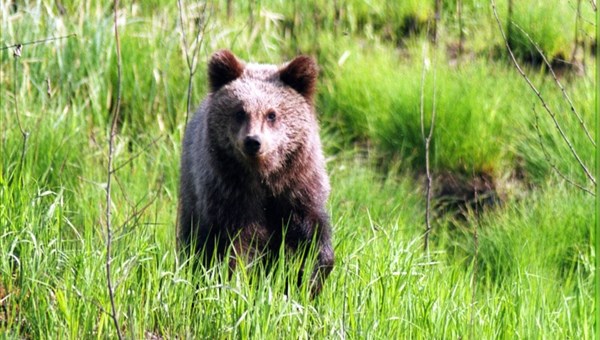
(252, 166)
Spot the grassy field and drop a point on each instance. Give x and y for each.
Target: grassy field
(520, 264)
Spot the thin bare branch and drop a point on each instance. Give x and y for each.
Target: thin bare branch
(436, 20)
(183, 35)
(120, 166)
(188, 61)
(433, 104)
(475, 265)
(94, 302)
(422, 99)
(109, 172)
(139, 211)
(38, 41)
(24, 134)
(192, 60)
(577, 24)
(135, 205)
(549, 158)
(559, 84)
(593, 2)
(427, 139)
(428, 177)
(123, 192)
(461, 39)
(200, 34)
(539, 95)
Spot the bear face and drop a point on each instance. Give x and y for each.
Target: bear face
(261, 113)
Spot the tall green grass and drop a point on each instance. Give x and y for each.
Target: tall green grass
(484, 112)
(383, 285)
(550, 24)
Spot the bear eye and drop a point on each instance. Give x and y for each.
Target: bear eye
(240, 115)
(271, 116)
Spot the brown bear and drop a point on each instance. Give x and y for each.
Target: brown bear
(252, 170)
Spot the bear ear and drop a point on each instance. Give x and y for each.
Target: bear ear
(223, 68)
(301, 75)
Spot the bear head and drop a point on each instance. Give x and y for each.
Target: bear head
(262, 114)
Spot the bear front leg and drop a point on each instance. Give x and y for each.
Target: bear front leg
(187, 223)
(318, 229)
(325, 258)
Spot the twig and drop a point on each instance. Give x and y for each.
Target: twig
(120, 166)
(436, 20)
(427, 142)
(229, 9)
(25, 134)
(593, 2)
(192, 61)
(123, 193)
(548, 158)
(558, 83)
(94, 302)
(539, 95)
(134, 206)
(475, 263)
(577, 17)
(428, 177)
(509, 20)
(109, 172)
(138, 212)
(461, 39)
(38, 41)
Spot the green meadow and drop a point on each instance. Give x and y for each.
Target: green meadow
(511, 252)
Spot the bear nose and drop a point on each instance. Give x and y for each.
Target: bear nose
(252, 145)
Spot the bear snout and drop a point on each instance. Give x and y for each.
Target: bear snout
(252, 145)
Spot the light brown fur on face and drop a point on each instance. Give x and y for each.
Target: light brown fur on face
(252, 165)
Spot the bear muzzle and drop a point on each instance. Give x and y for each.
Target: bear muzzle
(252, 145)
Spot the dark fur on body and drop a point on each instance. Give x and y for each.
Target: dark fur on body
(252, 165)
